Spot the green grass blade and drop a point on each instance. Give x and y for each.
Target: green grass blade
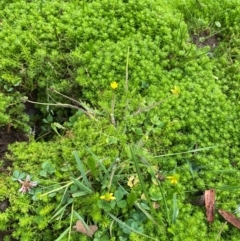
(228, 188)
(97, 160)
(160, 189)
(186, 152)
(61, 201)
(61, 210)
(70, 225)
(225, 171)
(113, 169)
(175, 208)
(135, 161)
(81, 169)
(79, 194)
(79, 217)
(81, 185)
(148, 215)
(56, 190)
(62, 235)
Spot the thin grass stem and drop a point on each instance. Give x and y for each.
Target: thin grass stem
(71, 220)
(186, 152)
(140, 177)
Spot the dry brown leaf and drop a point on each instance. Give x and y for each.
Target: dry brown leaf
(155, 205)
(230, 218)
(80, 227)
(209, 196)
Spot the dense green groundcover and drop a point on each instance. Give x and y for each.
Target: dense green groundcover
(172, 96)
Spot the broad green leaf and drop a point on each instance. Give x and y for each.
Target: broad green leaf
(16, 173)
(131, 198)
(118, 195)
(122, 204)
(43, 173)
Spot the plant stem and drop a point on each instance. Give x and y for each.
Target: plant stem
(71, 219)
(60, 105)
(112, 109)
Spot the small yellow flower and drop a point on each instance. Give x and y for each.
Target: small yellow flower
(108, 197)
(114, 85)
(132, 181)
(176, 90)
(173, 179)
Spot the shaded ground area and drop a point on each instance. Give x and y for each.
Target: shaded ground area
(8, 135)
(204, 38)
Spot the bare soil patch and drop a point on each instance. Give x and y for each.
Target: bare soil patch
(205, 38)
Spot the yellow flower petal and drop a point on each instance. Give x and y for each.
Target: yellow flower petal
(136, 181)
(173, 179)
(114, 85)
(132, 181)
(108, 197)
(176, 90)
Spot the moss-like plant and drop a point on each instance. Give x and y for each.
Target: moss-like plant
(147, 99)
